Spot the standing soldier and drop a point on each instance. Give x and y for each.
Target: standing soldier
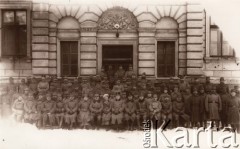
(149, 98)
(60, 110)
(110, 74)
(5, 103)
(22, 86)
(155, 108)
(208, 85)
(33, 85)
(130, 112)
(142, 110)
(195, 105)
(179, 112)
(175, 93)
(117, 112)
(202, 96)
(164, 94)
(49, 107)
(130, 72)
(213, 105)
(118, 88)
(43, 85)
(225, 97)
(183, 84)
(18, 109)
(120, 73)
(186, 99)
(233, 110)
(166, 108)
(96, 107)
(102, 74)
(71, 107)
(84, 116)
(222, 86)
(171, 85)
(106, 114)
(11, 87)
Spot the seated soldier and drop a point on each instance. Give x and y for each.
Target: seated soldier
(71, 106)
(178, 112)
(142, 110)
(130, 112)
(106, 112)
(117, 112)
(29, 108)
(60, 110)
(49, 107)
(155, 108)
(96, 107)
(18, 109)
(166, 109)
(84, 113)
(149, 98)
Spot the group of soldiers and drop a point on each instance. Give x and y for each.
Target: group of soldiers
(119, 100)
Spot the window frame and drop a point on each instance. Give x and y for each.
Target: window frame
(219, 44)
(27, 6)
(175, 40)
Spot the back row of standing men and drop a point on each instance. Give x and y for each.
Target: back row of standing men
(119, 99)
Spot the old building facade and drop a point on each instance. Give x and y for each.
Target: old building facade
(74, 39)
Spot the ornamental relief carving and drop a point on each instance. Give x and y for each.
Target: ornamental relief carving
(121, 16)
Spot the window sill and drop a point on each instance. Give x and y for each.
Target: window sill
(217, 59)
(11, 58)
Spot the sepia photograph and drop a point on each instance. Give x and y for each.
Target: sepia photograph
(119, 74)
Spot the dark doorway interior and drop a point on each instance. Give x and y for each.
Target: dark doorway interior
(116, 55)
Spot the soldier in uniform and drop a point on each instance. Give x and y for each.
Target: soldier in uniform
(110, 74)
(84, 116)
(18, 109)
(102, 74)
(29, 108)
(60, 110)
(171, 85)
(175, 93)
(39, 110)
(22, 86)
(49, 107)
(142, 110)
(71, 107)
(225, 98)
(186, 98)
(179, 112)
(120, 73)
(43, 85)
(11, 87)
(213, 105)
(195, 105)
(130, 72)
(117, 112)
(164, 94)
(155, 108)
(166, 108)
(183, 84)
(130, 112)
(222, 86)
(233, 110)
(33, 85)
(96, 107)
(118, 88)
(208, 85)
(203, 115)
(149, 98)
(106, 112)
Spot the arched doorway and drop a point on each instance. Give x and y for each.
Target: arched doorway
(117, 39)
